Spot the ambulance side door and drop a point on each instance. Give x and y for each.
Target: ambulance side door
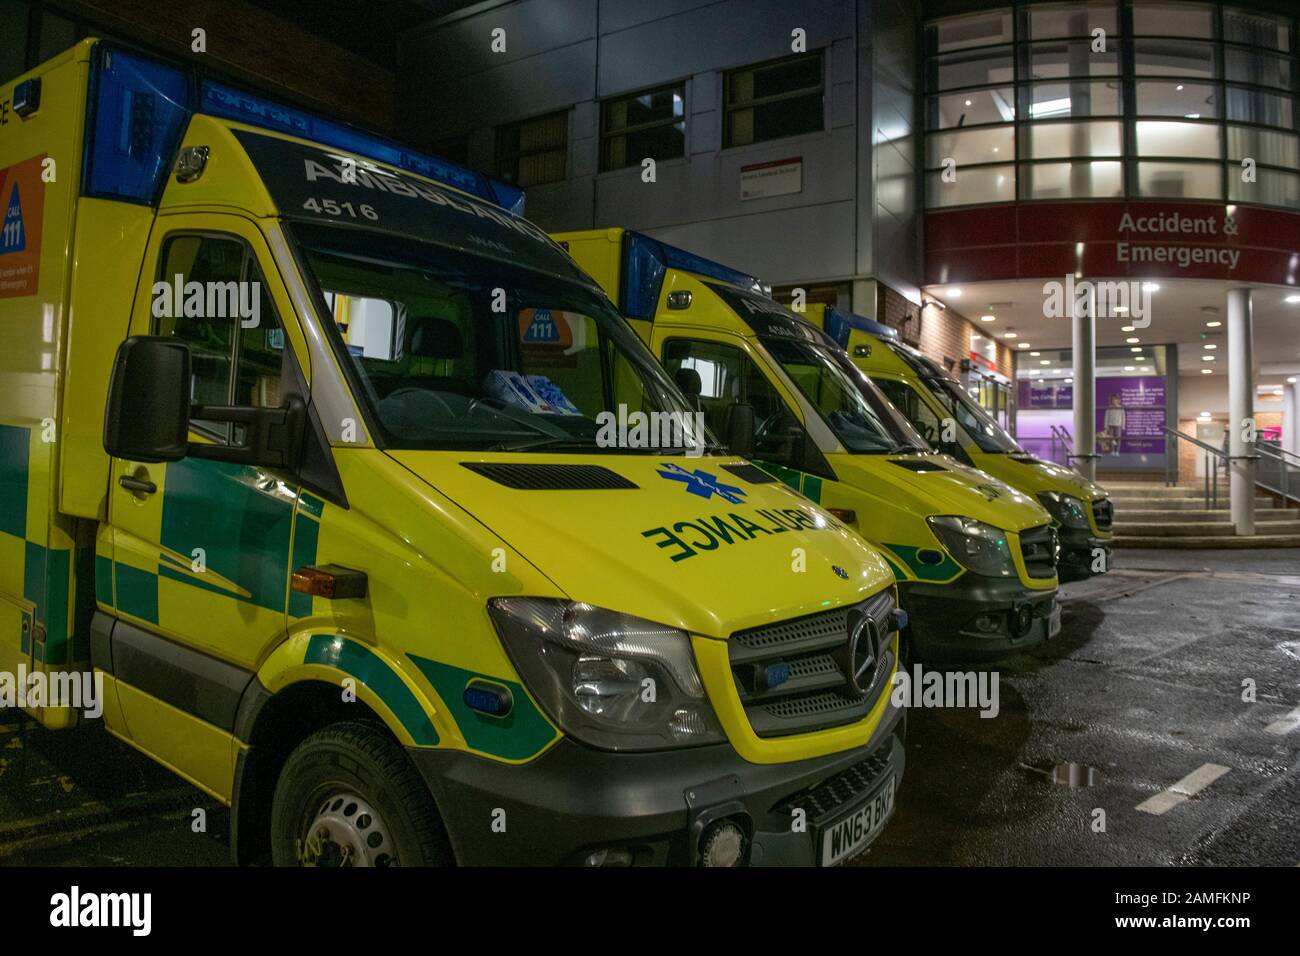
(202, 547)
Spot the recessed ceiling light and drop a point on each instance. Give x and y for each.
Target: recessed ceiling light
(1207, 371)
(1293, 299)
(1145, 368)
(1277, 391)
(1069, 381)
(1291, 380)
(1132, 340)
(968, 102)
(1213, 325)
(1179, 87)
(1136, 348)
(1023, 345)
(1210, 346)
(954, 293)
(1203, 415)
(1008, 335)
(1129, 368)
(1035, 354)
(1126, 328)
(1151, 286)
(1044, 361)
(1207, 358)
(989, 317)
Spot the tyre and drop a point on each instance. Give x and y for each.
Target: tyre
(348, 796)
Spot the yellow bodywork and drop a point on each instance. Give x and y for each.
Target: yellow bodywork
(434, 540)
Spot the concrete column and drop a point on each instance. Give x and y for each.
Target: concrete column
(1085, 392)
(1241, 406)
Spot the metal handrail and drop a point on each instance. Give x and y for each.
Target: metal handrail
(1268, 454)
(1062, 435)
(1274, 452)
(1215, 458)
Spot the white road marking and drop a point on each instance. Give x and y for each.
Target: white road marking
(1189, 786)
(1285, 725)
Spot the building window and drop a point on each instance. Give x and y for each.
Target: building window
(650, 124)
(1024, 104)
(775, 99)
(534, 151)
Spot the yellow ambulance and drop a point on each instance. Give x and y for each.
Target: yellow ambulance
(974, 558)
(301, 458)
(934, 402)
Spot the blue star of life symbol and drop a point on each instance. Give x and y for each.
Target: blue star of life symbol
(702, 483)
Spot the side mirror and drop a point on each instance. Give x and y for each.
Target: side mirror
(738, 429)
(148, 413)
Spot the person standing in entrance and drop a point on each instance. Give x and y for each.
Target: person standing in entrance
(1114, 424)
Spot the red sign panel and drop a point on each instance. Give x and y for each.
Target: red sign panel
(1113, 239)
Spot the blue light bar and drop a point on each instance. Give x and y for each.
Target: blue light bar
(645, 261)
(138, 112)
(218, 99)
(839, 324)
(139, 109)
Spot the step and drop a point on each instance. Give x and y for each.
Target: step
(1156, 515)
(1192, 529)
(1190, 502)
(1160, 491)
(1212, 541)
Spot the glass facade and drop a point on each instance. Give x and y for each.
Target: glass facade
(1112, 99)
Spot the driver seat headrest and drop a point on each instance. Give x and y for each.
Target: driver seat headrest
(435, 338)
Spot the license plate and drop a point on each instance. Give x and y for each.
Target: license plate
(851, 833)
(1054, 620)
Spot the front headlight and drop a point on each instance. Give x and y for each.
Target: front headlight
(980, 547)
(610, 680)
(1067, 509)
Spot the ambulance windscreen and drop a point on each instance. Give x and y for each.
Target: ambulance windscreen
(455, 350)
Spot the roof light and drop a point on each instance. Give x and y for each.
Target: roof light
(646, 260)
(219, 99)
(140, 107)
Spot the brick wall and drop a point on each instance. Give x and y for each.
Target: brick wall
(945, 335)
(256, 48)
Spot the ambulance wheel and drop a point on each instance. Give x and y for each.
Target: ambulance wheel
(348, 796)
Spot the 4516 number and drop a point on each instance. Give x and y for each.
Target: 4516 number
(332, 208)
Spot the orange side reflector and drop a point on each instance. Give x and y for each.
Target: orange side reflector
(329, 581)
(847, 515)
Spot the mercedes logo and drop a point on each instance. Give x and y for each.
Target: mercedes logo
(864, 650)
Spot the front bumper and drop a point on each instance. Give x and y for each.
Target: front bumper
(977, 618)
(573, 801)
(1078, 552)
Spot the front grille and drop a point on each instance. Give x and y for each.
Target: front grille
(533, 477)
(823, 802)
(1103, 512)
(1038, 548)
(793, 677)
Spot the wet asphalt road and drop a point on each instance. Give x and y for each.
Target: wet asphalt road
(1144, 684)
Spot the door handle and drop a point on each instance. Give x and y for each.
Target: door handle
(137, 486)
